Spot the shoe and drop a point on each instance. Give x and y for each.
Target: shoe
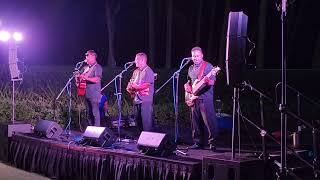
(196, 146)
(212, 147)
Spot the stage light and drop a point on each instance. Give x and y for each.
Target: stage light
(17, 36)
(4, 35)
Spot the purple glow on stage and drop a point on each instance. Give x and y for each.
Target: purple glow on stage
(17, 36)
(4, 35)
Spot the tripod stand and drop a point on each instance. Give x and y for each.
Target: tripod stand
(236, 110)
(175, 91)
(118, 93)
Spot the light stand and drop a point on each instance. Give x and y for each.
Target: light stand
(14, 71)
(235, 106)
(118, 93)
(175, 90)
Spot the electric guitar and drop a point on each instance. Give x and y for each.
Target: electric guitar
(197, 86)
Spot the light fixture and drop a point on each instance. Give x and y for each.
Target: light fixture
(17, 36)
(4, 35)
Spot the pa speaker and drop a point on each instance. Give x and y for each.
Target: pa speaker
(236, 47)
(99, 136)
(155, 144)
(49, 129)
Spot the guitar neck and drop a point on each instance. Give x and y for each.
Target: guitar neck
(200, 84)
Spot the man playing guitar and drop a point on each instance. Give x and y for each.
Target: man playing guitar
(90, 79)
(141, 89)
(202, 109)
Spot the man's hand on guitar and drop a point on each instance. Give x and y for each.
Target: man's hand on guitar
(130, 87)
(208, 81)
(187, 87)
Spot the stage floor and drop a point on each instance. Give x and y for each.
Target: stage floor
(65, 158)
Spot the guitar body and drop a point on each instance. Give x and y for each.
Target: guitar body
(81, 87)
(197, 86)
(133, 92)
(80, 82)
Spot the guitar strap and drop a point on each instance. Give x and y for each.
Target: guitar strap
(201, 70)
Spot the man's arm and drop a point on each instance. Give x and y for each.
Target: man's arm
(210, 82)
(92, 79)
(141, 86)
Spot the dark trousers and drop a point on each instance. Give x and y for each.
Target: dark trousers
(203, 116)
(143, 116)
(93, 112)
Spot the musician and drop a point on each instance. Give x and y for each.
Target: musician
(141, 87)
(92, 74)
(202, 111)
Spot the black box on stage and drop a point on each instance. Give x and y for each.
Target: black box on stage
(223, 167)
(49, 129)
(155, 144)
(6, 132)
(100, 136)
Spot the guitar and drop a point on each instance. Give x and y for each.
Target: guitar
(133, 92)
(197, 86)
(82, 83)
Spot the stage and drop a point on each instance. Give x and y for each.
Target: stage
(65, 159)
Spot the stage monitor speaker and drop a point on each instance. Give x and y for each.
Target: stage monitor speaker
(99, 136)
(236, 47)
(155, 144)
(224, 167)
(49, 129)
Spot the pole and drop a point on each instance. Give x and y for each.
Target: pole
(233, 122)
(283, 104)
(13, 103)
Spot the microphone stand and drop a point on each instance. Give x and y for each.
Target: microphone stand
(175, 78)
(283, 105)
(68, 87)
(118, 93)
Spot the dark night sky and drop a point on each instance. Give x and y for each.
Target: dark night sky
(60, 31)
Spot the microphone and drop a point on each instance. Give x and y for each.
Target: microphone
(188, 58)
(80, 64)
(131, 62)
(284, 6)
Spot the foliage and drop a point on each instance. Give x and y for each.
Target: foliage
(35, 97)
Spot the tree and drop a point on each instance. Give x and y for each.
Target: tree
(211, 32)
(151, 32)
(222, 45)
(112, 8)
(261, 33)
(169, 34)
(199, 15)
